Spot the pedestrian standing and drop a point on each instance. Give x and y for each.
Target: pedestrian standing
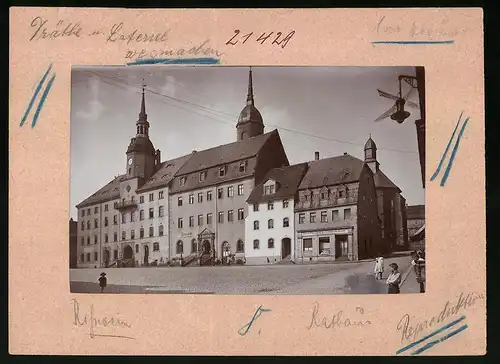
(394, 279)
(379, 267)
(103, 281)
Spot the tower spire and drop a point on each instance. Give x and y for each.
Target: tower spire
(250, 100)
(142, 114)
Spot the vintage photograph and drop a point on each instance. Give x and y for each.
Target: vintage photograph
(247, 180)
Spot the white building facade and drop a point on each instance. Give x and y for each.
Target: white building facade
(270, 225)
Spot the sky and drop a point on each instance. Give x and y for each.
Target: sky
(326, 109)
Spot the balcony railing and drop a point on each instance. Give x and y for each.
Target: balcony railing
(125, 204)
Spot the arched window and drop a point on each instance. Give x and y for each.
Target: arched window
(270, 224)
(160, 230)
(179, 248)
(194, 246)
(270, 243)
(156, 247)
(256, 244)
(133, 198)
(256, 225)
(141, 232)
(240, 246)
(286, 222)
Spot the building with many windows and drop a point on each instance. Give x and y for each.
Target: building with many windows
(270, 224)
(125, 222)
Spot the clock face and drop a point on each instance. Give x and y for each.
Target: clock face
(130, 161)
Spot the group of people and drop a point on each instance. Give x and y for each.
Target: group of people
(393, 280)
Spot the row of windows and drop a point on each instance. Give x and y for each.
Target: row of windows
(220, 194)
(222, 173)
(324, 216)
(270, 205)
(156, 247)
(151, 215)
(179, 246)
(124, 235)
(270, 223)
(230, 218)
(270, 244)
(141, 200)
(325, 195)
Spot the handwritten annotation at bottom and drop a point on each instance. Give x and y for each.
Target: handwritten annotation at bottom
(100, 325)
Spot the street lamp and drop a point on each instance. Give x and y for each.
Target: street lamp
(401, 115)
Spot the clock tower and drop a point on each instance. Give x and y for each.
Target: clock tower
(142, 158)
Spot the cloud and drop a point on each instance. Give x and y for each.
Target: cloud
(169, 88)
(94, 108)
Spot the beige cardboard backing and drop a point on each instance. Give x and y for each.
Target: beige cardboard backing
(41, 317)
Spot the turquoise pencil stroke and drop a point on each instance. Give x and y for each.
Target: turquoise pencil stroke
(452, 157)
(208, 60)
(42, 100)
(35, 94)
(443, 157)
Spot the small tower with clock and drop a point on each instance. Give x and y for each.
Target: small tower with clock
(142, 158)
(371, 155)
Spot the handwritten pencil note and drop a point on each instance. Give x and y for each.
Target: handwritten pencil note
(165, 124)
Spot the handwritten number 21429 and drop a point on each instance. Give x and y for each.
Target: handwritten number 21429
(277, 38)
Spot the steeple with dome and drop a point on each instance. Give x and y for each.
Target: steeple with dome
(250, 121)
(142, 157)
(371, 154)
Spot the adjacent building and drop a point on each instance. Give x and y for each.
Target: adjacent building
(73, 243)
(209, 193)
(416, 226)
(270, 224)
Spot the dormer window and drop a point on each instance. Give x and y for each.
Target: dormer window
(203, 175)
(269, 188)
(222, 171)
(243, 166)
(341, 194)
(182, 181)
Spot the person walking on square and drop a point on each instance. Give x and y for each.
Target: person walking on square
(394, 279)
(379, 267)
(103, 281)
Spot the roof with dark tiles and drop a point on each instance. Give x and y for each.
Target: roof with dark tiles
(415, 212)
(287, 179)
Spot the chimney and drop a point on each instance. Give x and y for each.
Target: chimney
(157, 157)
(316, 156)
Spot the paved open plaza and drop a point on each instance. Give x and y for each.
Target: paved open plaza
(290, 279)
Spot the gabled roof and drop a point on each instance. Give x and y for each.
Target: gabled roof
(109, 192)
(415, 212)
(382, 181)
(332, 171)
(165, 173)
(288, 180)
(224, 154)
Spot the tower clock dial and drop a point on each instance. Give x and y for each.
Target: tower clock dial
(130, 161)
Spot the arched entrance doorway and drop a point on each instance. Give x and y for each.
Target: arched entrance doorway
(206, 247)
(106, 257)
(128, 253)
(146, 255)
(286, 248)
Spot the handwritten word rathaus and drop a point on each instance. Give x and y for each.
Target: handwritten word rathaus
(92, 322)
(337, 320)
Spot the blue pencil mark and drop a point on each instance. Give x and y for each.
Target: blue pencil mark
(35, 94)
(432, 343)
(243, 331)
(453, 153)
(42, 100)
(433, 333)
(208, 60)
(438, 169)
(409, 42)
